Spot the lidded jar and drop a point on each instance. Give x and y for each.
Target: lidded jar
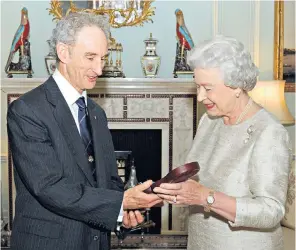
(150, 61)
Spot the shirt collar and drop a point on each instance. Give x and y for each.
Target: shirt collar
(68, 91)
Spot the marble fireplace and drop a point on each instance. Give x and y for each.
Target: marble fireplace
(168, 105)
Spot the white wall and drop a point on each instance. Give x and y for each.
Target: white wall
(289, 24)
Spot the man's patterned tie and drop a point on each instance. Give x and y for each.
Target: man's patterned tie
(85, 132)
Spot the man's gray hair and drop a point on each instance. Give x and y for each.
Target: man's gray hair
(228, 55)
(68, 27)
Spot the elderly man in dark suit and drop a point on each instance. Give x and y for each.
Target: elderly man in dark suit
(69, 195)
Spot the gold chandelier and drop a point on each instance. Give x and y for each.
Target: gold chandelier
(121, 12)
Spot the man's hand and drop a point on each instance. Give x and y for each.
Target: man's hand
(132, 218)
(135, 198)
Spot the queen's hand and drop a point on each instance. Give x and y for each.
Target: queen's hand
(189, 192)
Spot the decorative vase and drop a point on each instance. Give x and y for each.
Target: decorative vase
(50, 61)
(150, 61)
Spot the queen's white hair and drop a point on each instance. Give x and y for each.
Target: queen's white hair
(230, 57)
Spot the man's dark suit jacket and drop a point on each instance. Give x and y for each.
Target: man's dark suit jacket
(58, 206)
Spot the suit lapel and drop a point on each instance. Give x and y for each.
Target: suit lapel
(68, 127)
(97, 144)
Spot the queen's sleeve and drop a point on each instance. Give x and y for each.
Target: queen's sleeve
(268, 181)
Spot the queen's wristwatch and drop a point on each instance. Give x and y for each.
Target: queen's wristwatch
(210, 201)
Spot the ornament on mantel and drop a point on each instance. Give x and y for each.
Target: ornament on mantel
(50, 60)
(21, 44)
(113, 62)
(150, 61)
(184, 44)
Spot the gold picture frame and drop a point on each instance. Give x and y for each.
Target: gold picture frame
(279, 45)
(147, 12)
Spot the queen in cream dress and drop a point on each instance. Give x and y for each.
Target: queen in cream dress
(237, 198)
(247, 161)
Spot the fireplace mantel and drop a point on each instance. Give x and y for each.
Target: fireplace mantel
(118, 85)
(129, 103)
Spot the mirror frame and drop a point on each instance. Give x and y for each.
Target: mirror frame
(279, 45)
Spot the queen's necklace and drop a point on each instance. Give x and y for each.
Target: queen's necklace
(245, 111)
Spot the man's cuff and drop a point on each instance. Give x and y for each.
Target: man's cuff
(120, 216)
